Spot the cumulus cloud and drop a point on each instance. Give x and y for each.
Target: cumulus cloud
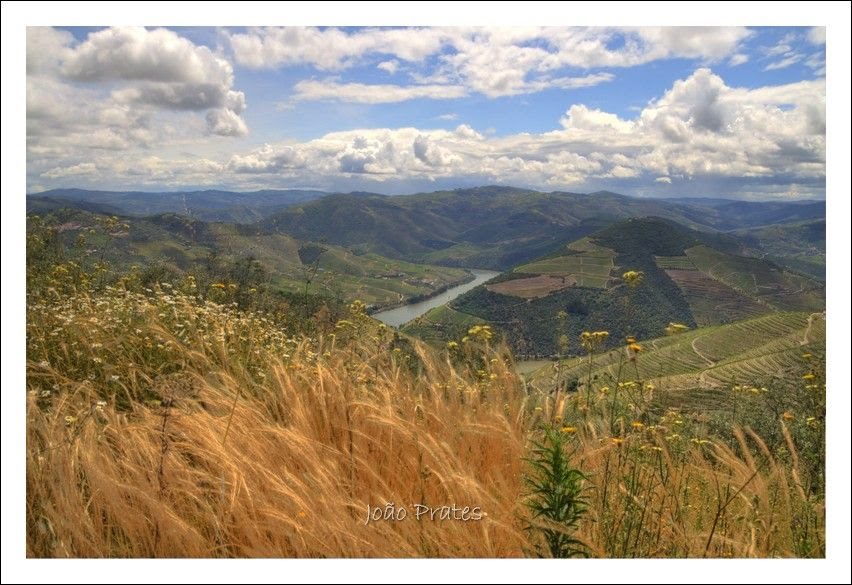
(700, 129)
(120, 87)
(531, 59)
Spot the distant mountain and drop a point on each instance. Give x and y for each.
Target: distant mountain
(211, 205)
(799, 246)
(690, 277)
(728, 214)
(498, 227)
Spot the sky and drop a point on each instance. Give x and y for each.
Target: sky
(736, 112)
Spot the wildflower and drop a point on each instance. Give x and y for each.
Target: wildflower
(44, 364)
(811, 420)
(114, 378)
(70, 420)
(617, 441)
(593, 340)
(635, 347)
(637, 425)
(675, 328)
(808, 376)
(219, 285)
(807, 355)
(633, 278)
(569, 430)
(630, 340)
(788, 415)
(452, 345)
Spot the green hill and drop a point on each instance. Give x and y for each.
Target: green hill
(689, 277)
(710, 359)
(498, 227)
(167, 245)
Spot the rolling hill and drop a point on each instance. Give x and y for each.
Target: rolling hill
(689, 277)
(709, 360)
(168, 244)
(499, 227)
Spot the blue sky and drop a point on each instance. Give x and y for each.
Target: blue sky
(656, 111)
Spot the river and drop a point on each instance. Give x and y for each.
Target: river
(401, 315)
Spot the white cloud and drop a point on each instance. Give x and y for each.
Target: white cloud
(448, 117)
(738, 59)
(225, 122)
(531, 59)
(121, 88)
(70, 171)
(816, 35)
(373, 94)
(389, 66)
(789, 59)
(700, 128)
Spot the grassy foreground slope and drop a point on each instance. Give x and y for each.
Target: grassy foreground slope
(162, 426)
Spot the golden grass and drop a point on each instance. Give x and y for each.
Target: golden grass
(161, 426)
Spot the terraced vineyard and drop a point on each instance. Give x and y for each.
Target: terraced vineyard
(590, 266)
(713, 302)
(760, 279)
(751, 351)
(674, 262)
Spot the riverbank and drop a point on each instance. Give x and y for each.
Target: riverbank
(406, 312)
(413, 300)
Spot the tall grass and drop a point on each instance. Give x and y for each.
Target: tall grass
(159, 425)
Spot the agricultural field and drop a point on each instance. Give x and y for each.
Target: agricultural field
(763, 280)
(588, 268)
(533, 286)
(708, 358)
(713, 302)
(674, 262)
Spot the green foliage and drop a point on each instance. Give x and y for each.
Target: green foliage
(555, 499)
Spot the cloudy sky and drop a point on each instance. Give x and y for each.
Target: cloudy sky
(715, 111)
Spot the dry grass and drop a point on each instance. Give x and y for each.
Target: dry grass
(161, 426)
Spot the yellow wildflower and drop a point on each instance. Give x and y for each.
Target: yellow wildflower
(569, 430)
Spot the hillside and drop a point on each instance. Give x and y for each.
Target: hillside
(709, 360)
(498, 227)
(169, 246)
(689, 277)
(799, 246)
